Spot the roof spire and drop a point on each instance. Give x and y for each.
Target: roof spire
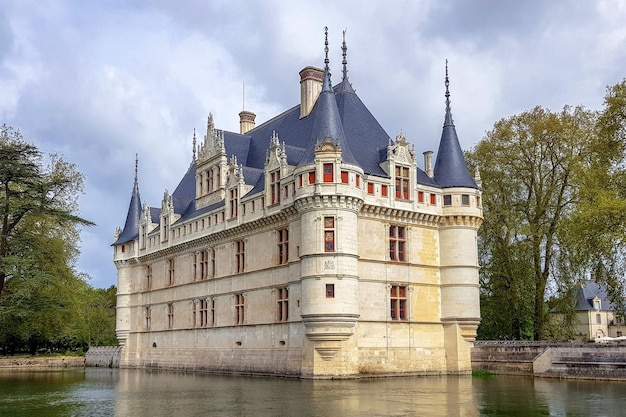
(344, 50)
(327, 84)
(448, 119)
(326, 61)
(136, 184)
(193, 158)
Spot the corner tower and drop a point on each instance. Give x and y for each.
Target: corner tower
(461, 218)
(125, 250)
(329, 207)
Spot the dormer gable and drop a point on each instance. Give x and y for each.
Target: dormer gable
(211, 168)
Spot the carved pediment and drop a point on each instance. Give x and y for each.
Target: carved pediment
(213, 142)
(401, 151)
(276, 157)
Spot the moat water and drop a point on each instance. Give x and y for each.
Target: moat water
(113, 392)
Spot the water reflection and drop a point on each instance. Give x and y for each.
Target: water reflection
(107, 392)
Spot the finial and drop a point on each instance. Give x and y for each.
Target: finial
(344, 50)
(136, 184)
(194, 144)
(326, 61)
(447, 90)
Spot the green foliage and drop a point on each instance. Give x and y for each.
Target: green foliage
(554, 214)
(44, 302)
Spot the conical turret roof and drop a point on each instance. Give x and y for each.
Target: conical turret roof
(327, 120)
(450, 167)
(131, 227)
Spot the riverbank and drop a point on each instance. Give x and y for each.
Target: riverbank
(16, 362)
(552, 360)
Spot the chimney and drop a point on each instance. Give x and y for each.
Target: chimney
(428, 163)
(311, 79)
(246, 121)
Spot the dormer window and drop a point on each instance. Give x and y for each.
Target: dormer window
(234, 202)
(402, 182)
(597, 304)
(275, 187)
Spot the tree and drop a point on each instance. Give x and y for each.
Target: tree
(533, 167)
(37, 205)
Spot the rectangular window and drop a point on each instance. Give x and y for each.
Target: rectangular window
(212, 304)
(282, 312)
(148, 277)
(433, 199)
(194, 314)
(148, 318)
(239, 308)
(370, 188)
(204, 264)
(170, 272)
(330, 290)
(420, 196)
(344, 177)
(329, 234)
(170, 316)
(402, 183)
(328, 173)
(477, 201)
(283, 246)
(358, 181)
(194, 272)
(300, 180)
(447, 200)
(383, 191)
(598, 319)
(286, 191)
(240, 255)
(312, 177)
(397, 241)
(275, 187)
(203, 312)
(465, 199)
(398, 302)
(212, 263)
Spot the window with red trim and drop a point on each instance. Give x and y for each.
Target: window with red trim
(370, 188)
(275, 187)
(344, 177)
(397, 243)
(328, 173)
(329, 234)
(383, 190)
(402, 183)
(398, 302)
(330, 290)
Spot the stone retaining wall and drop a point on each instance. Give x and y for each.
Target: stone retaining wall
(103, 356)
(42, 362)
(562, 360)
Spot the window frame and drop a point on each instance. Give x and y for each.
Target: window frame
(398, 303)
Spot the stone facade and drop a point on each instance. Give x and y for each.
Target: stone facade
(334, 256)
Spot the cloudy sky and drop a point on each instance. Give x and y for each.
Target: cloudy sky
(101, 81)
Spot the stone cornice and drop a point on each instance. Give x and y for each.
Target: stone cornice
(321, 201)
(269, 222)
(396, 214)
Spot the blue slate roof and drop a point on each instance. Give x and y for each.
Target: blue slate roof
(339, 114)
(131, 226)
(587, 292)
(450, 168)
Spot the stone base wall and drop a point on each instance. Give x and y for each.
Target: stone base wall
(42, 362)
(103, 356)
(562, 360)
